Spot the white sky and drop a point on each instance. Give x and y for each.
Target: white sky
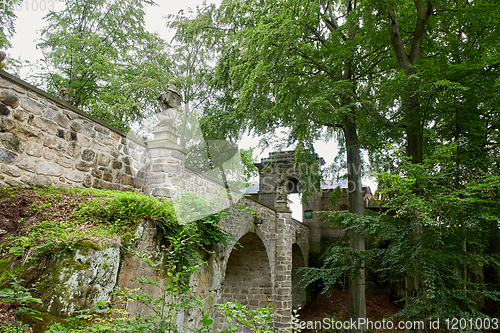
(30, 21)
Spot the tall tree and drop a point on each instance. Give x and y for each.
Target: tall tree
(444, 66)
(297, 65)
(99, 57)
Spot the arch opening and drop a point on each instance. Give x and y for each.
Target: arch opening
(299, 295)
(248, 274)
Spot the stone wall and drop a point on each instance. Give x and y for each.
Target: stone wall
(45, 141)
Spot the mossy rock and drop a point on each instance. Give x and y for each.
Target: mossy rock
(4, 267)
(75, 280)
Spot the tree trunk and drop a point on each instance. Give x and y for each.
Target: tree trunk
(357, 302)
(413, 119)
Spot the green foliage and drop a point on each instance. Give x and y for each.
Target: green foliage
(259, 320)
(459, 222)
(21, 297)
(175, 297)
(99, 57)
(7, 18)
(106, 215)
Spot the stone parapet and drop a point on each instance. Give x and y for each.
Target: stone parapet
(44, 141)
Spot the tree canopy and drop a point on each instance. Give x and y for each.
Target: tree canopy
(419, 75)
(7, 18)
(99, 57)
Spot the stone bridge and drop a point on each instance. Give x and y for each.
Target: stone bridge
(45, 141)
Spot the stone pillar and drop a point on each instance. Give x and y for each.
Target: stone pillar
(166, 159)
(281, 196)
(284, 236)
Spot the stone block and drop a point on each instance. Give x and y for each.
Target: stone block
(126, 160)
(39, 180)
(100, 185)
(55, 143)
(159, 179)
(14, 182)
(60, 133)
(31, 95)
(106, 149)
(19, 90)
(96, 173)
(6, 124)
(32, 106)
(26, 162)
(115, 137)
(107, 176)
(106, 140)
(84, 141)
(11, 170)
(70, 136)
(83, 166)
(101, 129)
(87, 181)
(103, 160)
(116, 187)
(10, 141)
(74, 150)
(9, 99)
(71, 115)
(88, 155)
(76, 125)
(74, 176)
(160, 152)
(163, 192)
(4, 110)
(64, 162)
(61, 119)
(127, 180)
(34, 149)
(27, 131)
(48, 154)
(20, 115)
(49, 169)
(117, 165)
(49, 113)
(46, 125)
(7, 156)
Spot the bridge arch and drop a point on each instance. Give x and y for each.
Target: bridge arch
(299, 295)
(248, 274)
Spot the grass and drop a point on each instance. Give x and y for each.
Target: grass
(62, 218)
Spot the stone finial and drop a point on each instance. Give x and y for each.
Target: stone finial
(3, 55)
(281, 194)
(170, 102)
(165, 133)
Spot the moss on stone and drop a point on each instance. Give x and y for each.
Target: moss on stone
(85, 245)
(4, 266)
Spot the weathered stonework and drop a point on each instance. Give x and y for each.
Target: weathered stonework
(48, 142)
(44, 141)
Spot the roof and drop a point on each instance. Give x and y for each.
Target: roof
(252, 189)
(328, 184)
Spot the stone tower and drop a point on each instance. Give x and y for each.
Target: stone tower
(279, 175)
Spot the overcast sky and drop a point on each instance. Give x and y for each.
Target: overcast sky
(30, 21)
